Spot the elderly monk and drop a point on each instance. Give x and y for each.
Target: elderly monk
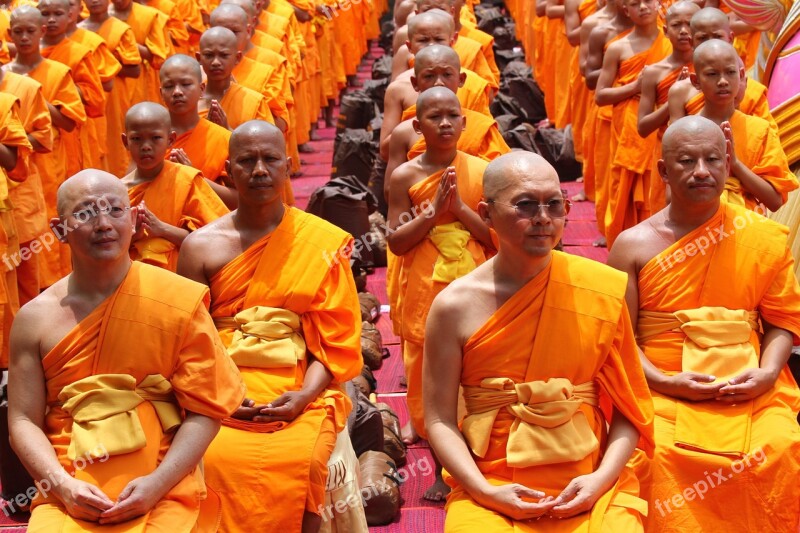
(535, 443)
(114, 401)
(713, 297)
(437, 235)
(172, 199)
(292, 327)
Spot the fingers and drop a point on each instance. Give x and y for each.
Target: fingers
(734, 398)
(247, 402)
(531, 494)
(568, 493)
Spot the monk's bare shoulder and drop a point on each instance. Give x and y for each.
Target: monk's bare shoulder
(470, 298)
(408, 173)
(29, 331)
(637, 245)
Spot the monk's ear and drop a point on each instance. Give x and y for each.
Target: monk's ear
(483, 212)
(58, 229)
(288, 167)
(463, 122)
(197, 56)
(228, 168)
(408, 45)
(453, 39)
(414, 82)
(694, 81)
(171, 138)
(125, 141)
(462, 79)
(662, 170)
(238, 56)
(415, 125)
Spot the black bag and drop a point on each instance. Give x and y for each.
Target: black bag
(556, 147)
(385, 40)
(364, 423)
(354, 154)
(507, 123)
(504, 37)
(382, 68)
(518, 83)
(489, 19)
(504, 57)
(380, 487)
(503, 104)
(376, 89)
(356, 110)
(522, 138)
(376, 182)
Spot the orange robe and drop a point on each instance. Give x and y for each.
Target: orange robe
(753, 445)
(292, 457)
(242, 104)
(176, 29)
(418, 287)
(27, 198)
(156, 323)
(580, 95)
(278, 90)
(480, 138)
(754, 103)
(149, 26)
(61, 92)
(629, 179)
(472, 58)
(561, 60)
(658, 189)
(487, 45)
(521, 344)
(120, 39)
(206, 145)
(178, 196)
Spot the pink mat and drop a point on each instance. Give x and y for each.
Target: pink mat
(391, 372)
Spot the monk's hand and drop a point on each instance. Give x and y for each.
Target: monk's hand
(517, 501)
(301, 14)
(729, 146)
(137, 498)
(217, 115)
(684, 75)
(248, 410)
(579, 496)
(152, 224)
(748, 385)
(444, 194)
(139, 227)
(692, 386)
(82, 500)
(177, 155)
(456, 205)
(284, 408)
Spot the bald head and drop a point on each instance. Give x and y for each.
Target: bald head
(86, 185)
(714, 50)
(226, 13)
(181, 61)
(511, 168)
(426, 5)
(245, 134)
(683, 7)
(55, 3)
(28, 14)
(436, 54)
(402, 10)
(435, 94)
(691, 127)
(433, 18)
(218, 36)
(147, 113)
(710, 23)
(248, 6)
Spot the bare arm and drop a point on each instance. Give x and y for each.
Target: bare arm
(191, 260)
(130, 71)
(650, 118)
(572, 22)
(145, 52)
(8, 156)
(554, 9)
(398, 153)
(392, 113)
(228, 196)
(404, 237)
(606, 93)
(59, 120)
(36, 145)
(677, 97)
(541, 8)
(594, 58)
(400, 61)
(291, 404)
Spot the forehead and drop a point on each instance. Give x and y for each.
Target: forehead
(229, 19)
(260, 140)
(54, 4)
(179, 70)
(26, 19)
(682, 12)
(439, 102)
(529, 181)
(694, 141)
(428, 26)
(147, 124)
(217, 41)
(716, 57)
(436, 63)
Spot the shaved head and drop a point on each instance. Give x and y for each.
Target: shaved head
(150, 112)
(244, 134)
(683, 7)
(86, 183)
(435, 94)
(691, 127)
(425, 5)
(434, 17)
(228, 12)
(402, 10)
(28, 13)
(712, 50)
(508, 169)
(218, 35)
(248, 6)
(436, 54)
(711, 17)
(180, 61)
(60, 3)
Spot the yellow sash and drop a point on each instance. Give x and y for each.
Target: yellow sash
(454, 259)
(152, 250)
(265, 337)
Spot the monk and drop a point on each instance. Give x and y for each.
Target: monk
(176, 29)
(436, 234)
(225, 102)
(535, 451)
(469, 29)
(131, 351)
(173, 200)
(437, 63)
(759, 169)
(620, 84)
(657, 79)
(293, 374)
(117, 37)
(715, 303)
(66, 114)
(199, 143)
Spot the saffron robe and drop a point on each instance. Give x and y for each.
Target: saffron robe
(472, 58)
(480, 138)
(518, 343)
(658, 189)
(739, 249)
(178, 196)
(278, 90)
(149, 26)
(156, 322)
(487, 45)
(176, 29)
(579, 93)
(242, 104)
(275, 496)
(206, 145)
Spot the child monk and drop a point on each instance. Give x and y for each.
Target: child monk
(173, 199)
(444, 239)
(118, 37)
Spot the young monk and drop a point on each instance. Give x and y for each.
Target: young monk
(131, 351)
(66, 113)
(438, 62)
(199, 143)
(619, 85)
(444, 240)
(294, 400)
(118, 37)
(535, 444)
(173, 200)
(759, 170)
(715, 330)
(225, 102)
(653, 115)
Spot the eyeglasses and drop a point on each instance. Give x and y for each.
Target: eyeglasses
(91, 213)
(529, 208)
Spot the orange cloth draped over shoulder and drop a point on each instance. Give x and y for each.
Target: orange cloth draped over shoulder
(519, 346)
(61, 92)
(629, 179)
(206, 146)
(487, 45)
(744, 250)
(178, 196)
(155, 324)
(418, 287)
(176, 29)
(242, 104)
(579, 92)
(658, 189)
(149, 26)
(121, 40)
(472, 58)
(481, 138)
(285, 272)
(278, 90)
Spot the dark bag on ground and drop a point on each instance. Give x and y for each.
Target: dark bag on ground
(504, 36)
(380, 487)
(366, 382)
(507, 122)
(556, 147)
(504, 57)
(377, 178)
(370, 307)
(354, 154)
(393, 444)
(376, 90)
(377, 226)
(518, 83)
(371, 346)
(356, 110)
(385, 40)
(382, 68)
(364, 423)
(522, 137)
(489, 18)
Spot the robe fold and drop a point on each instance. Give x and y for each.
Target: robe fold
(472, 58)
(268, 474)
(180, 197)
(149, 27)
(155, 323)
(480, 138)
(277, 91)
(519, 343)
(487, 45)
(756, 488)
(580, 95)
(241, 104)
(206, 145)
(419, 266)
(658, 189)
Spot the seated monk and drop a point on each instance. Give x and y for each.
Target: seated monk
(199, 143)
(172, 199)
(225, 102)
(114, 401)
(716, 306)
(291, 325)
(684, 99)
(443, 240)
(535, 451)
(431, 61)
(759, 171)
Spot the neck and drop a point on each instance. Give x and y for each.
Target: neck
(99, 17)
(98, 280)
(647, 30)
(517, 268)
(247, 47)
(216, 89)
(682, 57)
(51, 40)
(29, 60)
(71, 28)
(184, 123)
(718, 113)
(148, 174)
(438, 158)
(688, 217)
(260, 219)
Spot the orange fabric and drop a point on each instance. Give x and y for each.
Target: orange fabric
(754, 103)
(481, 138)
(517, 343)
(207, 148)
(487, 45)
(580, 96)
(155, 323)
(273, 497)
(472, 58)
(746, 251)
(629, 179)
(277, 89)
(242, 104)
(178, 196)
(561, 61)
(176, 29)
(658, 190)
(418, 289)
(149, 27)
